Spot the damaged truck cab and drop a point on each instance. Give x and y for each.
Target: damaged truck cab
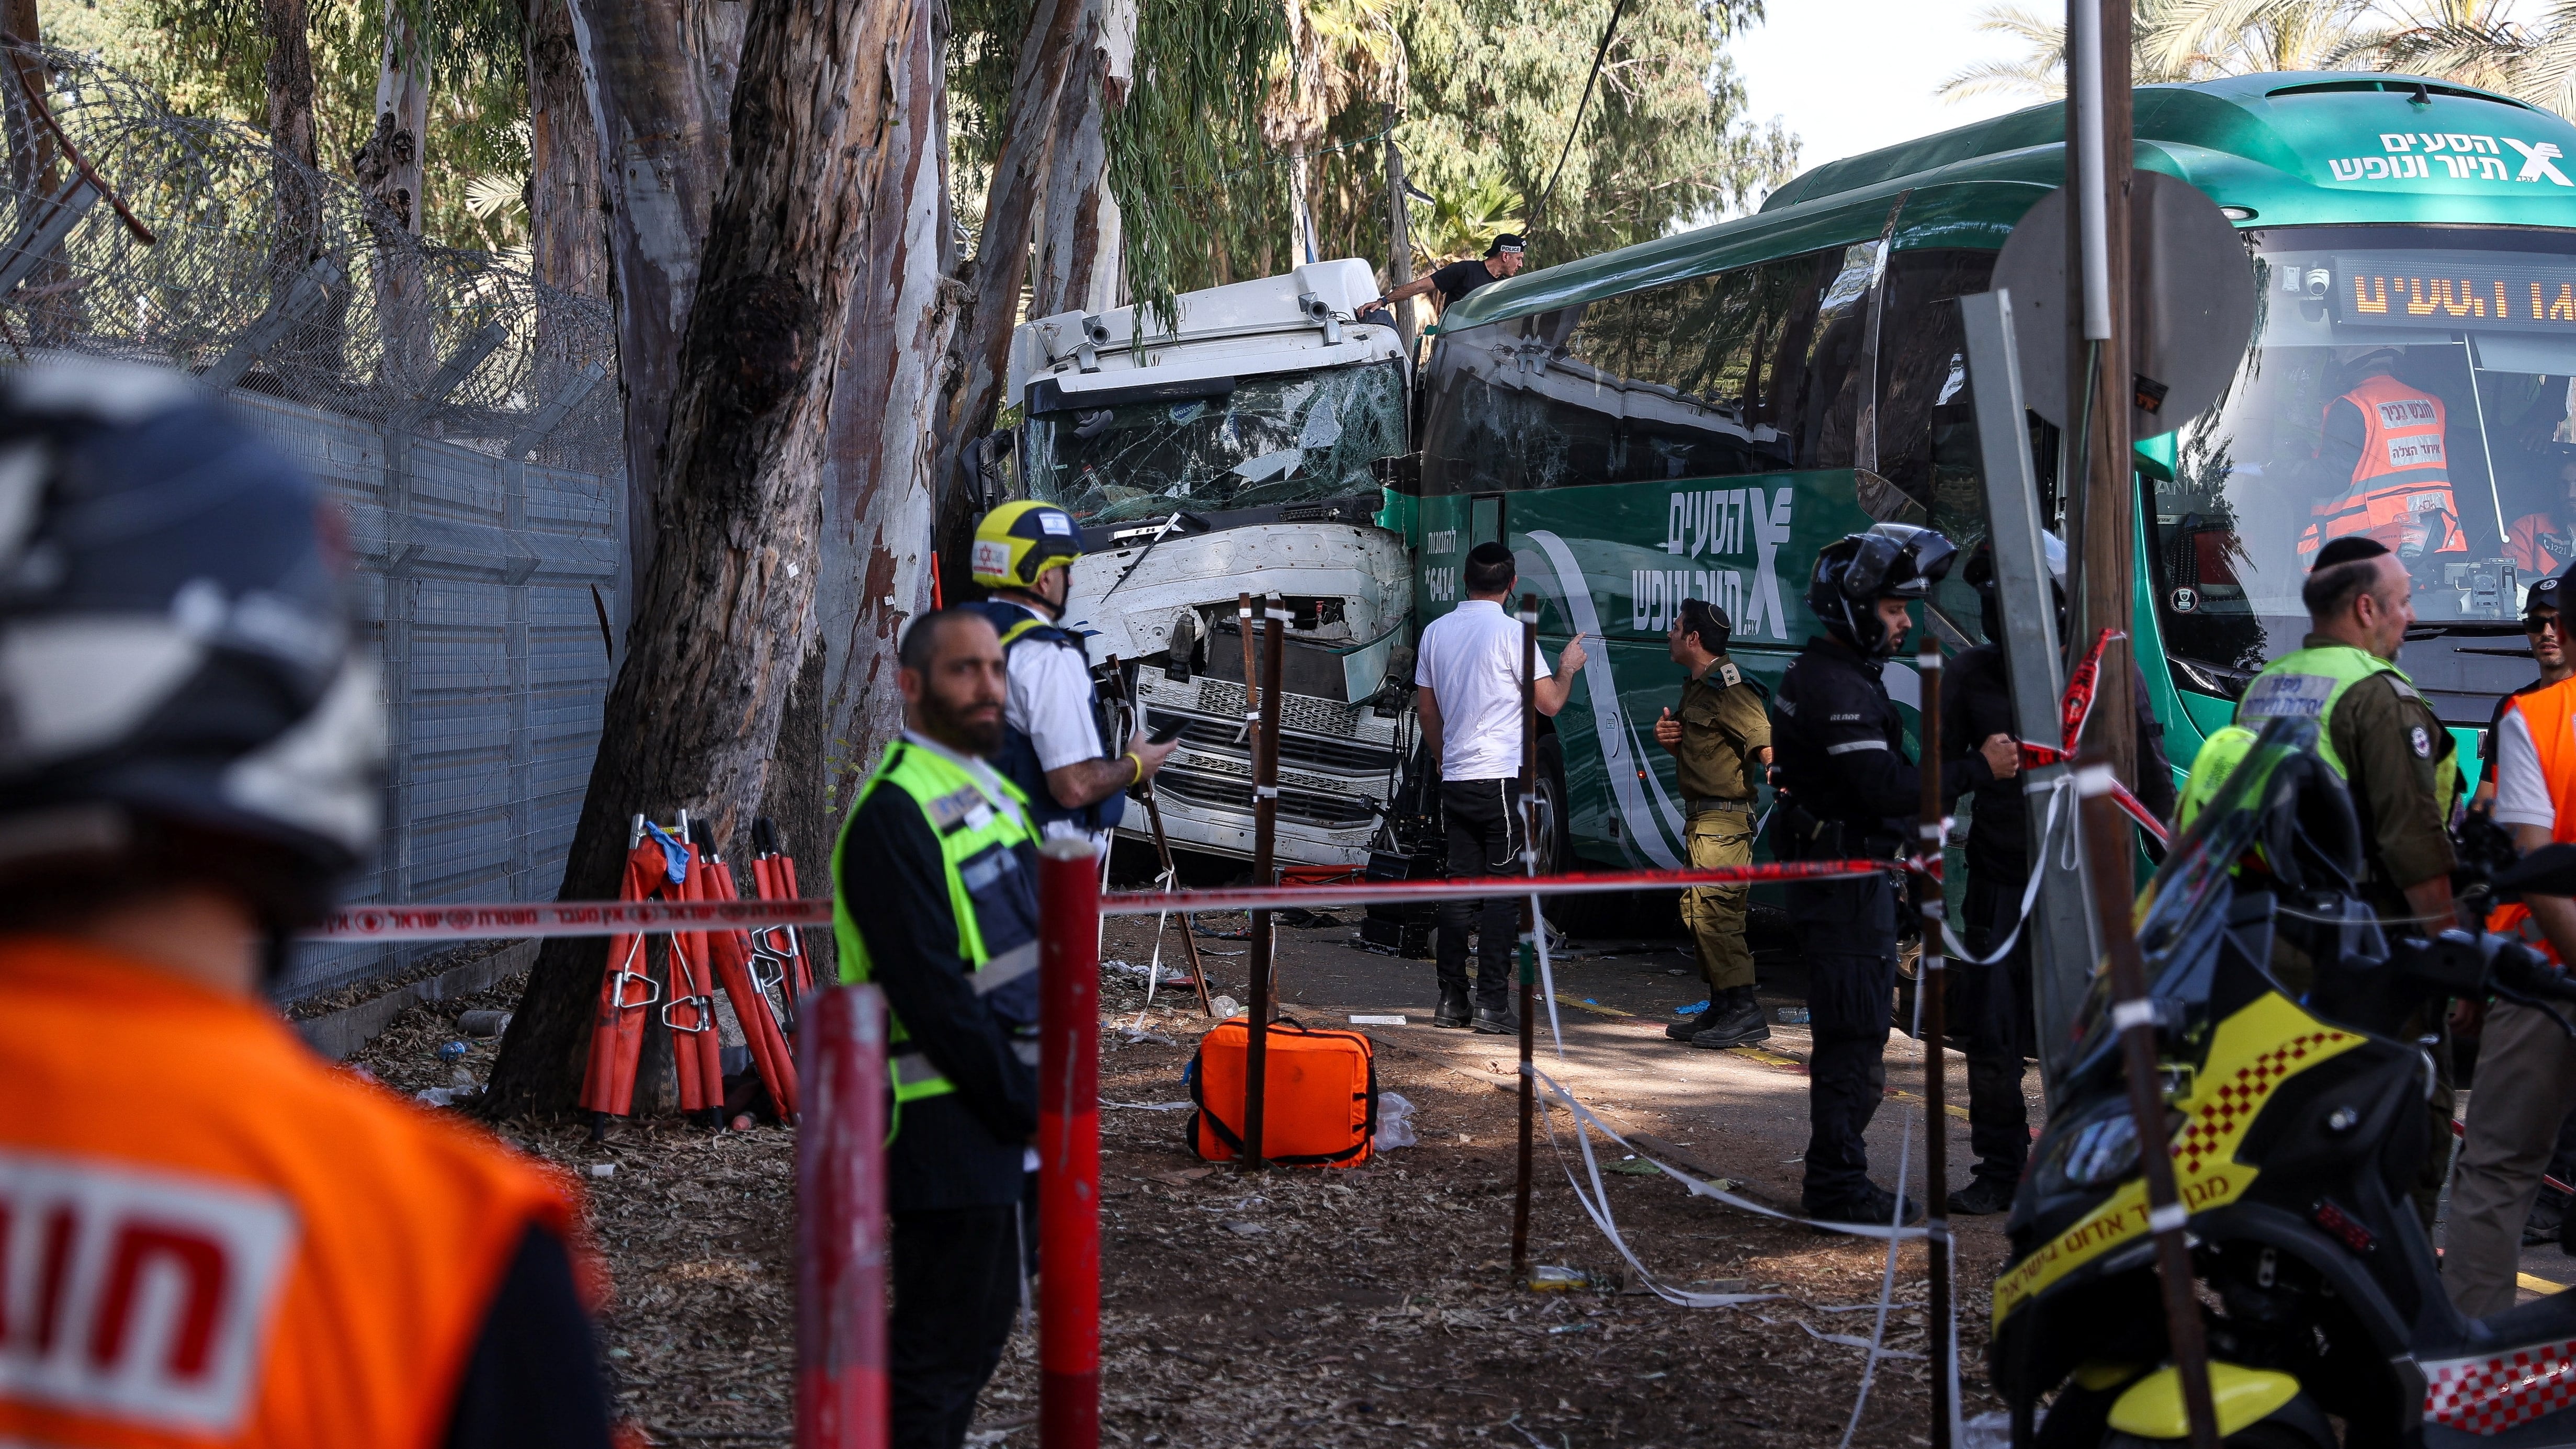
(1243, 451)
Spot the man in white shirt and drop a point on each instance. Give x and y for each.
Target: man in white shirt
(2526, 1066)
(1469, 676)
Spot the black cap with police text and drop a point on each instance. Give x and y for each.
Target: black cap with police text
(1509, 241)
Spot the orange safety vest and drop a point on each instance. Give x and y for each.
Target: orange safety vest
(2403, 477)
(209, 1236)
(2537, 545)
(2550, 714)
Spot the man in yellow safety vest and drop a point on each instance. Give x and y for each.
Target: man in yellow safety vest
(935, 901)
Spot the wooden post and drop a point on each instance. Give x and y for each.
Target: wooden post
(1529, 926)
(1068, 1144)
(2101, 500)
(1399, 228)
(2107, 836)
(1265, 831)
(841, 1384)
(1930, 987)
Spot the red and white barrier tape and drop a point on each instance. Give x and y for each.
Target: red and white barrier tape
(610, 918)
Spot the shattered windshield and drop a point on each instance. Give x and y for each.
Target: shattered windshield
(1281, 438)
(2407, 384)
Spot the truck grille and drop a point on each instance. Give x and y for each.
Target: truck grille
(1338, 756)
(1296, 711)
(1304, 807)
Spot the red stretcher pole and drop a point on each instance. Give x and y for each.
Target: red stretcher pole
(732, 956)
(626, 992)
(1068, 1146)
(841, 1393)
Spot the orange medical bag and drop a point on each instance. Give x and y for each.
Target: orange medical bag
(1320, 1105)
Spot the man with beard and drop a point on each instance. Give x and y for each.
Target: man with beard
(936, 903)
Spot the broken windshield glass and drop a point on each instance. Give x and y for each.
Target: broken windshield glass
(1283, 438)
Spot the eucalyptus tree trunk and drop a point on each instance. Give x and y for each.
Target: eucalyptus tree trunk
(567, 229)
(287, 26)
(724, 617)
(659, 77)
(880, 428)
(388, 169)
(994, 278)
(1079, 231)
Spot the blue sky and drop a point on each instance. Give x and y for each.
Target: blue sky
(1854, 75)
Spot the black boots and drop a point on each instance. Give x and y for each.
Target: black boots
(1691, 1026)
(1983, 1196)
(1734, 1019)
(1453, 1006)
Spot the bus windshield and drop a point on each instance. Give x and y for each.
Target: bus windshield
(2409, 384)
(1280, 438)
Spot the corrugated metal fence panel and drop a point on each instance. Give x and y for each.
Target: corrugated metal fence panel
(474, 585)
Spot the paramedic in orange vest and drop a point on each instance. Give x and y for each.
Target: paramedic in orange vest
(2384, 446)
(209, 1236)
(2540, 542)
(2526, 1066)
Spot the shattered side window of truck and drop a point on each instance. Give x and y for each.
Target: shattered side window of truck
(1282, 438)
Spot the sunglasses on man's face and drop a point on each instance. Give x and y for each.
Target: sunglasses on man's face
(2544, 624)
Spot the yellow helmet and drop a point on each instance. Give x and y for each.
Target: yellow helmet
(1019, 541)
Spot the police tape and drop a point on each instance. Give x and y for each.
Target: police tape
(474, 922)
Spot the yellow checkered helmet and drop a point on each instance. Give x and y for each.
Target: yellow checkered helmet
(1018, 542)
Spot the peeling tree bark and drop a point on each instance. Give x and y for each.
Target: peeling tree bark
(878, 495)
(567, 228)
(994, 278)
(724, 618)
(1080, 231)
(659, 79)
(388, 169)
(287, 27)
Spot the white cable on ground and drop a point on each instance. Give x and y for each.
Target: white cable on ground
(1546, 976)
(1958, 950)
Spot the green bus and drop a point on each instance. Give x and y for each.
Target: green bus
(1695, 416)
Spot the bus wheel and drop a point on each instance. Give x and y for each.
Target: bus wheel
(1555, 824)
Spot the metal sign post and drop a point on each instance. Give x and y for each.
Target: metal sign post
(2062, 944)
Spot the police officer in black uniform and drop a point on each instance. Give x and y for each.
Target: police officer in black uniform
(1849, 791)
(1991, 1005)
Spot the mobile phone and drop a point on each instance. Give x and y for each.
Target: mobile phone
(1166, 732)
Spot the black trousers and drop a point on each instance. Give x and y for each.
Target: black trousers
(1995, 1017)
(1484, 821)
(1846, 934)
(956, 1286)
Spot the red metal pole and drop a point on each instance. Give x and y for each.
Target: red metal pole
(841, 1399)
(1068, 1145)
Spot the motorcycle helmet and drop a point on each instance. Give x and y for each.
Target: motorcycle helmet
(182, 699)
(1980, 576)
(1018, 542)
(1854, 572)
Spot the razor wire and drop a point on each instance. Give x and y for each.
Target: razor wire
(266, 276)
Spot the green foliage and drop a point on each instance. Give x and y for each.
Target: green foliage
(1177, 148)
(211, 58)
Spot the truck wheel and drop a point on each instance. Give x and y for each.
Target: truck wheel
(1555, 823)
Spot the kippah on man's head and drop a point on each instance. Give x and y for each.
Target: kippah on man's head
(2351, 548)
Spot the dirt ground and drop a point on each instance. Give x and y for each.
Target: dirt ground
(1368, 1306)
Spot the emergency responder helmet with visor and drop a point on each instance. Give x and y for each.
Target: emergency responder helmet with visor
(1018, 542)
(182, 697)
(1854, 572)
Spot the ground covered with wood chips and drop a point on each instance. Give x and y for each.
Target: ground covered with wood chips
(1367, 1306)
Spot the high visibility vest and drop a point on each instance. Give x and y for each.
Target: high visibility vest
(2400, 493)
(2304, 684)
(2550, 714)
(1018, 760)
(209, 1236)
(2538, 546)
(983, 830)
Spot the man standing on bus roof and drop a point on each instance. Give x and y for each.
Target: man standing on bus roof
(1847, 791)
(2383, 451)
(1058, 742)
(1721, 743)
(1469, 694)
(1457, 279)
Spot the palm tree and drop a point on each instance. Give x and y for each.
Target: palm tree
(2039, 74)
(1338, 51)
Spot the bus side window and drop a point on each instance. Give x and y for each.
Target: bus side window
(1484, 520)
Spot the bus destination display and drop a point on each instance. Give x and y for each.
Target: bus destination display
(2453, 290)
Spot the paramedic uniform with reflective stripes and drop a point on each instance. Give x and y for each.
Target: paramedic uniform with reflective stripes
(1839, 745)
(209, 1236)
(2399, 764)
(2526, 1067)
(2385, 441)
(935, 902)
(1053, 717)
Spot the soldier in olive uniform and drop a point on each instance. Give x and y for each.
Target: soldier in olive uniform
(1722, 741)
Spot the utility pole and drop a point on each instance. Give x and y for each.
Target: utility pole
(1399, 226)
(2099, 485)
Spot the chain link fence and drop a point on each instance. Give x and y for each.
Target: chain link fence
(464, 416)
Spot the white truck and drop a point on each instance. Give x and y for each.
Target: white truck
(1243, 451)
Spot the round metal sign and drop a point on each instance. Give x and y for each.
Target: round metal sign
(2191, 303)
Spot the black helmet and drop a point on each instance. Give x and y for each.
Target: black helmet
(1980, 576)
(1854, 572)
(180, 695)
